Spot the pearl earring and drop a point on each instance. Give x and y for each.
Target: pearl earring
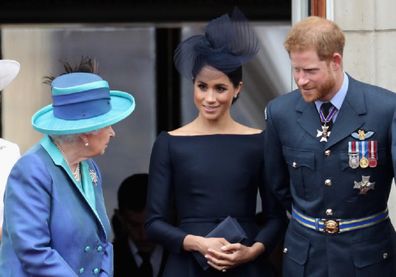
(86, 144)
(236, 96)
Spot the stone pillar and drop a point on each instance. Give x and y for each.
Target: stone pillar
(369, 56)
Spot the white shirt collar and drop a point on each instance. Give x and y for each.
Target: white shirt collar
(155, 258)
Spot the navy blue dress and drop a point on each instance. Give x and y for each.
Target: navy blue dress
(195, 182)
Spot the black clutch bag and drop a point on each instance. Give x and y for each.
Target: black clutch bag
(230, 229)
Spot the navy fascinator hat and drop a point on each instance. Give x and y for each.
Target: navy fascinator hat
(228, 42)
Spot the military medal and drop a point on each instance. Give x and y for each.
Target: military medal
(353, 153)
(363, 154)
(325, 133)
(372, 156)
(364, 185)
(364, 162)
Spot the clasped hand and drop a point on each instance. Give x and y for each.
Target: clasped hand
(223, 255)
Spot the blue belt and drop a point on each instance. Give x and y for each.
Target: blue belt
(334, 226)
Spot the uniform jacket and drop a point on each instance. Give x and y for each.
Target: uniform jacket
(315, 177)
(49, 227)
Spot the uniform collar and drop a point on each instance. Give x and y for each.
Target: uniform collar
(88, 180)
(54, 152)
(339, 97)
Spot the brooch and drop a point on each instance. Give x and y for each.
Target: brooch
(94, 177)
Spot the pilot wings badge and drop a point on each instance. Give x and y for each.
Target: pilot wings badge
(362, 135)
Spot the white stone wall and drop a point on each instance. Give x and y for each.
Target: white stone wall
(26, 94)
(370, 54)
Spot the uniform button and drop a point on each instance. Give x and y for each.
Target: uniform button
(294, 164)
(328, 182)
(329, 212)
(99, 248)
(327, 152)
(285, 250)
(82, 270)
(95, 270)
(87, 248)
(385, 255)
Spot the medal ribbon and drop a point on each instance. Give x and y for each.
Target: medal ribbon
(353, 153)
(352, 147)
(372, 153)
(373, 149)
(326, 119)
(363, 149)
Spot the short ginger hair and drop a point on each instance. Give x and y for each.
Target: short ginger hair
(316, 33)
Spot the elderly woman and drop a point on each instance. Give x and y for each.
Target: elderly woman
(55, 221)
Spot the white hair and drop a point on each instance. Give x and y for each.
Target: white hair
(70, 138)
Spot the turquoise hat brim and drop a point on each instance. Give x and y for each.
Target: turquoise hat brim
(122, 105)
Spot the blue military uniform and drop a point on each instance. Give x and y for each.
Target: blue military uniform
(336, 189)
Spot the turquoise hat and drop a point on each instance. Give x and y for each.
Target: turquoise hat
(82, 102)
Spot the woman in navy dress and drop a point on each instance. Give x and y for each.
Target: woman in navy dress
(212, 167)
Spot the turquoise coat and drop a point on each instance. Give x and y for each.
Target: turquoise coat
(50, 227)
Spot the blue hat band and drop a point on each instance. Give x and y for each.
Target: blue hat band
(82, 105)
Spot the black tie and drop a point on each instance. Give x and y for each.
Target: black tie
(325, 109)
(145, 269)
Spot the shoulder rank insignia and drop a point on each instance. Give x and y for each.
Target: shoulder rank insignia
(362, 135)
(364, 185)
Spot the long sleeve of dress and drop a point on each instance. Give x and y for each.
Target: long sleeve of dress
(160, 194)
(394, 143)
(275, 220)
